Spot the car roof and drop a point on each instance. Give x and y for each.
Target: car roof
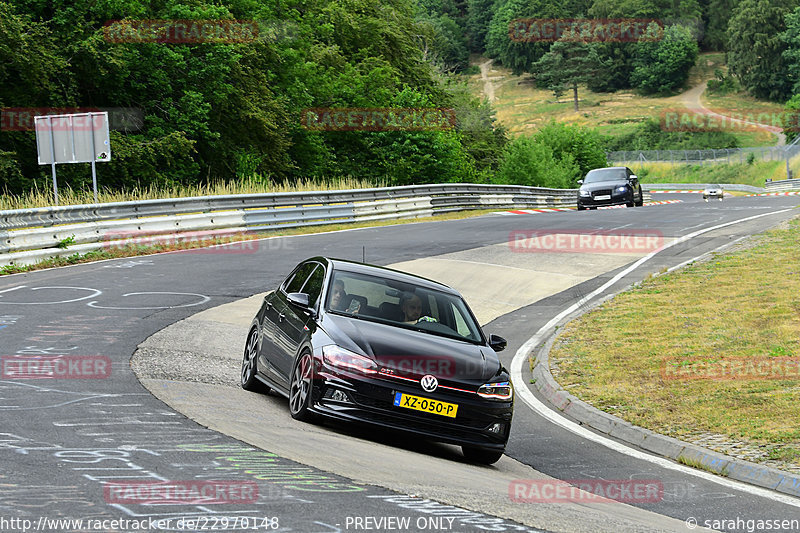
(609, 168)
(389, 273)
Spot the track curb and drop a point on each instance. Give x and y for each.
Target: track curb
(683, 452)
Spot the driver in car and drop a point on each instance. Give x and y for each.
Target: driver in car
(411, 305)
(338, 296)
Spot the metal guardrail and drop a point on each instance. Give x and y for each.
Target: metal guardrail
(50, 216)
(782, 185)
(770, 186)
(30, 235)
(696, 186)
(701, 157)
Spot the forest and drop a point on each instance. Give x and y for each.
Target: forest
(230, 105)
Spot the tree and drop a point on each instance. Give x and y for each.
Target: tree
(572, 143)
(791, 121)
(639, 9)
(527, 161)
(791, 39)
(479, 16)
(568, 63)
(514, 49)
(662, 65)
(717, 14)
(755, 48)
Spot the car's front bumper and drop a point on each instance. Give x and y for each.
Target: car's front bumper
(622, 198)
(371, 400)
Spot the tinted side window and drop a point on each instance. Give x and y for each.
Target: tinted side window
(313, 287)
(295, 282)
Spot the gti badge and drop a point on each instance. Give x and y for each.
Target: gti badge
(429, 383)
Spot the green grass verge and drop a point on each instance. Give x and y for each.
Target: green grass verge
(743, 305)
(753, 174)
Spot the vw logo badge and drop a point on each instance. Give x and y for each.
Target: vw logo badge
(429, 383)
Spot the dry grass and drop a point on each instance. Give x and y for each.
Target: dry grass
(742, 305)
(523, 108)
(68, 196)
(748, 174)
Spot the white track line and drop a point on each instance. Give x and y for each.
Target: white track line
(531, 401)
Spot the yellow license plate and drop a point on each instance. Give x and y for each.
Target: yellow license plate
(425, 404)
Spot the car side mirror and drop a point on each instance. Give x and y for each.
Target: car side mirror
(580, 182)
(300, 299)
(497, 343)
(633, 177)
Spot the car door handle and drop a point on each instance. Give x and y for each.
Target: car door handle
(281, 316)
(267, 305)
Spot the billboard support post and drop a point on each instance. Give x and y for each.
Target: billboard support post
(53, 151)
(94, 174)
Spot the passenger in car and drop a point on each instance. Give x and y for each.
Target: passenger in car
(339, 298)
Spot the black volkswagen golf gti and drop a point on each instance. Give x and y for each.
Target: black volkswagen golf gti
(369, 344)
(609, 186)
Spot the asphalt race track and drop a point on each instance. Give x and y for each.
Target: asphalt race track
(63, 442)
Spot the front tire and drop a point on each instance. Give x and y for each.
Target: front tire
(481, 455)
(640, 203)
(250, 363)
(300, 388)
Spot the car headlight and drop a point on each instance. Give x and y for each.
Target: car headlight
(338, 357)
(496, 391)
(623, 188)
(584, 193)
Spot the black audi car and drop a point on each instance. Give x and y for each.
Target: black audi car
(363, 343)
(609, 186)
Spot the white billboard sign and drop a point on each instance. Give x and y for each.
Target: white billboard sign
(73, 138)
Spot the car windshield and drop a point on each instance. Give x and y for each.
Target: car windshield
(605, 174)
(401, 304)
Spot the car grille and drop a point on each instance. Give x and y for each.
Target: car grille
(418, 417)
(601, 192)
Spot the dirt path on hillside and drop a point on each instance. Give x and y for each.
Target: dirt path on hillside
(692, 100)
(488, 82)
